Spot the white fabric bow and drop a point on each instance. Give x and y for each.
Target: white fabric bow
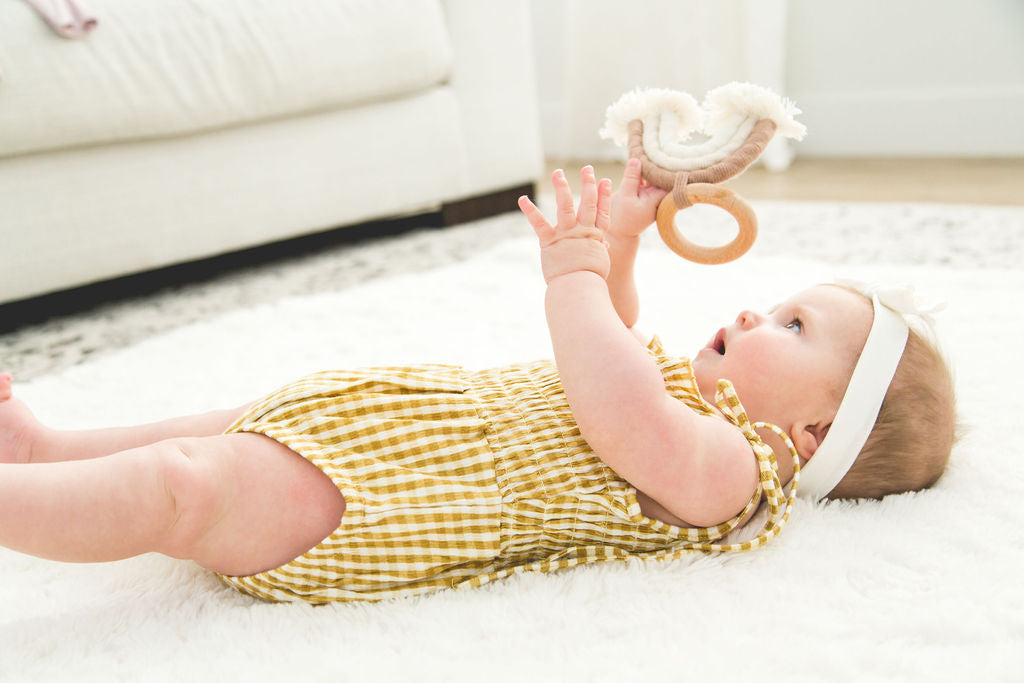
(900, 297)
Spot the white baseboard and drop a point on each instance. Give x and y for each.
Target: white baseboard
(950, 122)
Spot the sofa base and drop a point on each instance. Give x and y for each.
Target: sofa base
(482, 206)
(34, 310)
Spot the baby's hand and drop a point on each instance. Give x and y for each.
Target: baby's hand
(577, 241)
(634, 203)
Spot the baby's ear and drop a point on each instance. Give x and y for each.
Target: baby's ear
(807, 438)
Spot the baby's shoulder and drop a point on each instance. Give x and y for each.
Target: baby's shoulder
(728, 470)
(704, 470)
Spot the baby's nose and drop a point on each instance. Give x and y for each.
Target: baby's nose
(747, 319)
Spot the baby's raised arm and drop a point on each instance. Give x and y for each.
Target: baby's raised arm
(634, 206)
(699, 468)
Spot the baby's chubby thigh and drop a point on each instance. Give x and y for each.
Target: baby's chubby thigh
(262, 504)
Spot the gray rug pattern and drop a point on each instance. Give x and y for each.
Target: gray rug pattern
(954, 236)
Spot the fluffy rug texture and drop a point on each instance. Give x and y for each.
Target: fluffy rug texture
(916, 587)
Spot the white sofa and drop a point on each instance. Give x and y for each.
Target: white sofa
(180, 130)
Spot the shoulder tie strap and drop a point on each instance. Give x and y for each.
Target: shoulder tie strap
(779, 505)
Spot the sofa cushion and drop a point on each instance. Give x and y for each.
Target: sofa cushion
(165, 67)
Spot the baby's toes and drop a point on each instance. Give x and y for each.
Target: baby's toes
(5, 385)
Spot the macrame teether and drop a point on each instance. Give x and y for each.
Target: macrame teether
(687, 149)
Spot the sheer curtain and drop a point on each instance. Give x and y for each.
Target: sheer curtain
(588, 52)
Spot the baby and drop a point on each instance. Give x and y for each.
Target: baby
(395, 481)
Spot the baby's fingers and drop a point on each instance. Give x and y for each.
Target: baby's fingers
(536, 219)
(588, 197)
(631, 178)
(563, 200)
(604, 204)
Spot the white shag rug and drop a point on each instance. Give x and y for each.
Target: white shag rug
(917, 587)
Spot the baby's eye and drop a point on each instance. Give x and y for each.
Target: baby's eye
(797, 326)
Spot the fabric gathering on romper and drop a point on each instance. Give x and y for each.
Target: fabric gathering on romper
(455, 478)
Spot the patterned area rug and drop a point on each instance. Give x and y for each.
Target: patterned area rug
(849, 233)
(919, 586)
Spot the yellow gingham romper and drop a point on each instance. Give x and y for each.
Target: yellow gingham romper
(455, 478)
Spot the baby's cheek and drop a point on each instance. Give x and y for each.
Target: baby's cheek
(761, 359)
(765, 372)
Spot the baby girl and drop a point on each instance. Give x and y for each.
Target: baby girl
(393, 481)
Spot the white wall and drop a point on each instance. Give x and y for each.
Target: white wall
(873, 77)
(589, 52)
(908, 77)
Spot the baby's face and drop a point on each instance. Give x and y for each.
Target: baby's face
(793, 362)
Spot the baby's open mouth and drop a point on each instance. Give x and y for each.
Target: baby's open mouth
(719, 343)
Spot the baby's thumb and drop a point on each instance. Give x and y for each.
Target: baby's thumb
(631, 177)
(535, 218)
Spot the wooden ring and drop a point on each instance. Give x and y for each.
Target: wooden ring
(706, 193)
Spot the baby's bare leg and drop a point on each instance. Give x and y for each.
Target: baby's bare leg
(23, 439)
(63, 445)
(236, 504)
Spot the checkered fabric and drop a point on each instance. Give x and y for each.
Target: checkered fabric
(455, 478)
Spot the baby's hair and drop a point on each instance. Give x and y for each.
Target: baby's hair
(914, 434)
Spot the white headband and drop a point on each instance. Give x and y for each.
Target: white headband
(868, 385)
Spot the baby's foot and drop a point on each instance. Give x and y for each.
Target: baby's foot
(19, 429)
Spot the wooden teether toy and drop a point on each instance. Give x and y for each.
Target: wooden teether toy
(687, 149)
